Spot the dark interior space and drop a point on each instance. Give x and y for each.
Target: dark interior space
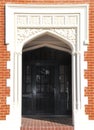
(46, 84)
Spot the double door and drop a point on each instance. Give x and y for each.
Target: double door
(46, 89)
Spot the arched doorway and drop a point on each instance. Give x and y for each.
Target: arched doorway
(66, 23)
(46, 78)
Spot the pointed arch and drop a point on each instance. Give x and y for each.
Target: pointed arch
(51, 34)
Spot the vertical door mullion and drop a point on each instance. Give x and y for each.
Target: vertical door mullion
(33, 88)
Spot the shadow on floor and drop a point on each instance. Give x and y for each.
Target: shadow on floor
(63, 120)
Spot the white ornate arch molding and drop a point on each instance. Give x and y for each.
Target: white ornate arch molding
(67, 23)
(69, 46)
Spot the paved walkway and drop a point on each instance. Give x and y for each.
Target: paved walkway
(58, 123)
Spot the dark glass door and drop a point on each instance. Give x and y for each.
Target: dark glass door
(38, 89)
(44, 83)
(63, 91)
(46, 89)
(28, 90)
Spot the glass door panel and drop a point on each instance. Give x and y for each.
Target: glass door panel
(45, 89)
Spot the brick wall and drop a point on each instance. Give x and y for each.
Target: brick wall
(5, 55)
(89, 56)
